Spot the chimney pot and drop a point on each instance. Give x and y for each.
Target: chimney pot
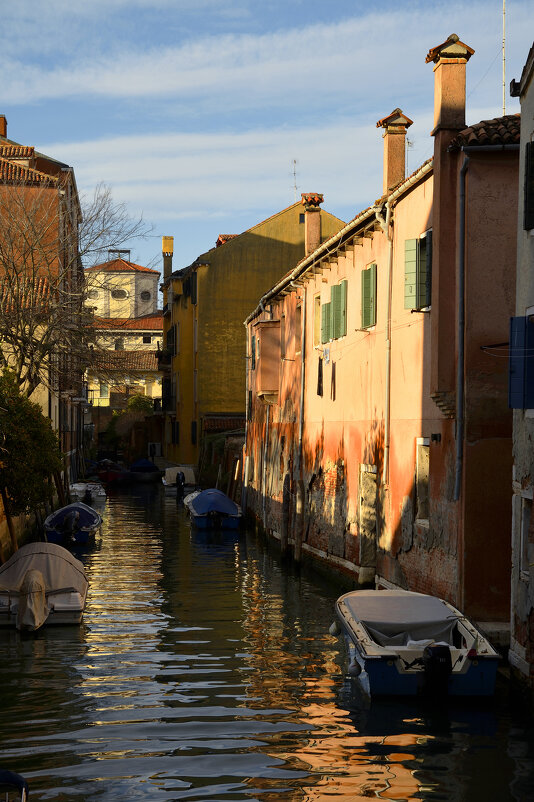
(450, 59)
(312, 220)
(395, 126)
(167, 249)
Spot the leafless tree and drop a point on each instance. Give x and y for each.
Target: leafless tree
(47, 237)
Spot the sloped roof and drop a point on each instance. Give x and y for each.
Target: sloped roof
(12, 150)
(120, 266)
(17, 173)
(126, 361)
(152, 322)
(499, 131)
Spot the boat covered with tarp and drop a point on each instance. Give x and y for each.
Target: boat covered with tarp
(42, 583)
(213, 509)
(406, 643)
(74, 524)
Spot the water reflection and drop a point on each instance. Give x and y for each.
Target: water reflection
(204, 671)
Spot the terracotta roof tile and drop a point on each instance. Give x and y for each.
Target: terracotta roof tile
(120, 266)
(12, 172)
(10, 150)
(126, 361)
(153, 322)
(499, 131)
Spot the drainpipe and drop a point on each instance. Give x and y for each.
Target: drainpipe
(264, 472)
(299, 529)
(461, 337)
(385, 225)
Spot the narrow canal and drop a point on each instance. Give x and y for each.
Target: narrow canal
(204, 671)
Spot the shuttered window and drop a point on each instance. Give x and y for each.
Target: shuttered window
(339, 309)
(521, 365)
(418, 272)
(528, 213)
(326, 322)
(320, 376)
(369, 297)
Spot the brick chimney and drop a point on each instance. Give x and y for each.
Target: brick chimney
(312, 221)
(395, 127)
(450, 59)
(167, 248)
(3, 126)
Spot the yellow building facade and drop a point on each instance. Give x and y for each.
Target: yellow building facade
(205, 304)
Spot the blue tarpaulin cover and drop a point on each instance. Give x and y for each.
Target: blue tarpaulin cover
(213, 500)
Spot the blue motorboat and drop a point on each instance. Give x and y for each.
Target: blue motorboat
(75, 524)
(213, 509)
(403, 643)
(10, 781)
(143, 470)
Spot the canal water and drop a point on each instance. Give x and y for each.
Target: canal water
(204, 670)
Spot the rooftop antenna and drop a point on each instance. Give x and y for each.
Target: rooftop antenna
(409, 145)
(503, 57)
(295, 178)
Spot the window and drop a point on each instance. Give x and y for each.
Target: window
(528, 211)
(104, 390)
(326, 323)
(283, 337)
(521, 364)
(418, 272)
(333, 314)
(333, 382)
(92, 294)
(147, 339)
(317, 320)
(145, 295)
(369, 297)
(421, 479)
(175, 433)
(193, 432)
(339, 310)
(526, 512)
(298, 329)
(119, 344)
(320, 376)
(119, 294)
(301, 218)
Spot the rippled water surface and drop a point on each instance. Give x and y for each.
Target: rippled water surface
(204, 671)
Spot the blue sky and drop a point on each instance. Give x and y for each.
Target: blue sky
(193, 111)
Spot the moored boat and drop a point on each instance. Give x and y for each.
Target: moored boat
(143, 470)
(42, 583)
(213, 509)
(77, 523)
(89, 492)
(178, 479)
(406, 643)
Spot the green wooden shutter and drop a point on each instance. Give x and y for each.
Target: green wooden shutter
(428, 277)
(339, 306)
(326, 322)
(343, 293)
(369, 297)
(410, 273)
(336, 310)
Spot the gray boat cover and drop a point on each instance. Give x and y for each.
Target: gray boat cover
(396, 617)
(35, 570)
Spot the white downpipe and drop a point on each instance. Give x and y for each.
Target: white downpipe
(385, 225)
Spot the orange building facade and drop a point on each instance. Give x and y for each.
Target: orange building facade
(378, 429)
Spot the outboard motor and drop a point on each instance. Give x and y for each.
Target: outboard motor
(438, 668)
(33, 610)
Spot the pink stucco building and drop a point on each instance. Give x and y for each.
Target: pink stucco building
(378, 429)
